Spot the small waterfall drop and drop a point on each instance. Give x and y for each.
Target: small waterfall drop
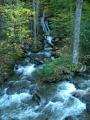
(26, 70)
(46, 30)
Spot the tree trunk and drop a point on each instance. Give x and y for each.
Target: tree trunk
(35, 7)
(76, 42)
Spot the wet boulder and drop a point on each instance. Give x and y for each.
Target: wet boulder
(33, 89)
(36, 98)
(38, 59)
(84, 84)
(35, 92)
(69, 118)
(18, 86)
(86, 99)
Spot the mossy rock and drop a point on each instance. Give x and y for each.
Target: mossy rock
(57, 70)
(34, 58)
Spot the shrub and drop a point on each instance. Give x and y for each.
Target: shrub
(9, 54)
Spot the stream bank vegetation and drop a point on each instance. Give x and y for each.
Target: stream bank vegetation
(14, 33)
(17, 35)
(57, 70)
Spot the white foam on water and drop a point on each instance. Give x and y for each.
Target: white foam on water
(49, 39)
(8, 100)
(64, 90)
(26, 70)
(21, 115)
(66, 87)
(24, 114)
(59, 110)
(27, 113)
(66, 106)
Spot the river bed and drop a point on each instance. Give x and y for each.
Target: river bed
(25, 99)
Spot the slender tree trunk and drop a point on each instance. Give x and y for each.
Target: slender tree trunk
(35, 7)
(76, 42)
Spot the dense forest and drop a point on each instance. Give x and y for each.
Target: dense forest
(45, 45)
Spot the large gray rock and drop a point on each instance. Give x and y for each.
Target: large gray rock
(86, 99)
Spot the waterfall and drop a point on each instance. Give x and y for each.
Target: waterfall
(46, 30)
(44, 25)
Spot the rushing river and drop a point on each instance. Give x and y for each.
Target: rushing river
(26, 99)
(23, 99)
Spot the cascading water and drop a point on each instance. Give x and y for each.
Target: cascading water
(20, 100)
(26, 70)
(46, 30)
(48, 38)
(25, 99)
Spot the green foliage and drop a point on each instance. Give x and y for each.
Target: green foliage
(36, 48)
(15, 21)
(61, 15)
(14, 30)
(9, 54)
(59, 69)
(85, 29)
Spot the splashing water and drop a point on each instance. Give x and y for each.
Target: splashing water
(61, 105)
(8, 100)
(26, 70)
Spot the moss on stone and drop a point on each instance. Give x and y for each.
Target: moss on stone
(59, 69)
